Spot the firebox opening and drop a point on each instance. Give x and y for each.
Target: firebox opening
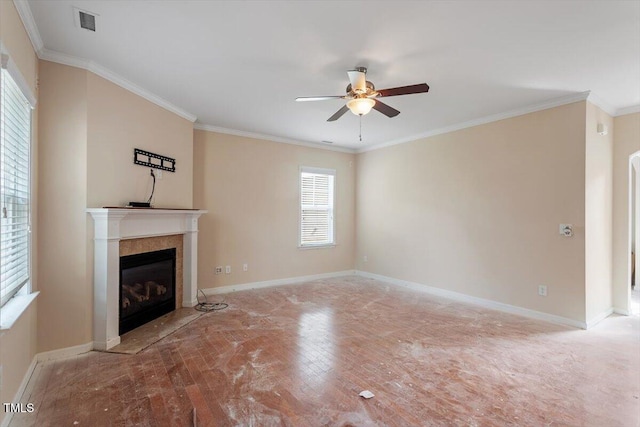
(147, 287)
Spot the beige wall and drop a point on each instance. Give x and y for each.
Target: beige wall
(118, 122)
(16, 41)
(598, 213)
(250, 188)
(626, 141)
(17, 351)
(477, 211)
(89, 128)
(64, 282)
(18, 345)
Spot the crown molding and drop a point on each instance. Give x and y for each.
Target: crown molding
(73, 61)
(63, 58)
(598, 102)
(265, 137)
(628, 110)
(556, 102)
(24, 10)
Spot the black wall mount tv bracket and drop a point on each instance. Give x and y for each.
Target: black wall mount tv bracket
(154, 161)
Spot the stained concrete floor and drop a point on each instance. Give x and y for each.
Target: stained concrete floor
(299, 355)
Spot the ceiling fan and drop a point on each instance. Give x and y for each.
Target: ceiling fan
(362, 96)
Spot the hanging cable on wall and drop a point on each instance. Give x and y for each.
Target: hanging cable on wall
(153, 187)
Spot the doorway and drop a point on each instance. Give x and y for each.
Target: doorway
(633, 281)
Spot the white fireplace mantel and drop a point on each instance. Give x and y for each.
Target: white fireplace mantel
(114, 224)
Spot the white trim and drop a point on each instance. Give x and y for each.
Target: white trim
(114, 224)
(319, 246)
(24, 10)
(628, 110)
(276, 282)
(16, 75)
(556, 102)
(73, 61)
(631, 203)
(265, 137)
(14, 308)
(63, 58)
(106, 345)
(20, 392)
(332, 223)
(320, 171)
(599, 318)
(63, 353)
(485, 303)
(621, 311)
(598, 102)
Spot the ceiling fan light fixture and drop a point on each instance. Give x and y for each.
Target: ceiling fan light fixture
(361, 106)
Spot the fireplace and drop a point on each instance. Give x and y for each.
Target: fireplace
(129, 231)
(147, 287)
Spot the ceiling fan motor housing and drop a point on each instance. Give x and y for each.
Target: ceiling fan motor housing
(371, 90)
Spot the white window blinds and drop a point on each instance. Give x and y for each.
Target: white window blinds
(15, 152)
(316, 207)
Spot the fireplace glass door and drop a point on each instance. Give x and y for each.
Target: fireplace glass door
(147, 287)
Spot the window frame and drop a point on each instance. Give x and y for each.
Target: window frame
(332, 224)
(9, 69)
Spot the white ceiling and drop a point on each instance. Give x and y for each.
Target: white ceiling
(239, 65)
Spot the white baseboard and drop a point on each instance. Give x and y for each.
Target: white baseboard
(104, 346)
(276, 282)
(64, 352)
(599, 318)
(20, 392)
(622, 311)
(44, 357)
(494, 305)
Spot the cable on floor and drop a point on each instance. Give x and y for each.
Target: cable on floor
(206, 306)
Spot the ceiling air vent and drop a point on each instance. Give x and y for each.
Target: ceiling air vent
(88, 22)
(85, 19)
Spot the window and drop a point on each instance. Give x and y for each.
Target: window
(15, 186)
(316, 207)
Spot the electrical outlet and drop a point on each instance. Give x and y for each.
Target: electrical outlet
(159, 173)
(218, 270)
(245, 267)
(542, 290)
(227, 269)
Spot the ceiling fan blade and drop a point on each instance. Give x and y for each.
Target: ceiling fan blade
(338, 114)
(317, 98)
(385, 109)
(358, 80)
(405, 90)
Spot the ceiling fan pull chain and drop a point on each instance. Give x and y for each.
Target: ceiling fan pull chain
(360, 127)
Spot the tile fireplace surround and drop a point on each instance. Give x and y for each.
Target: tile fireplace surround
(111, 225)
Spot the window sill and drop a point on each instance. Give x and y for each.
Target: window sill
(13, 309)
(331, 245)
